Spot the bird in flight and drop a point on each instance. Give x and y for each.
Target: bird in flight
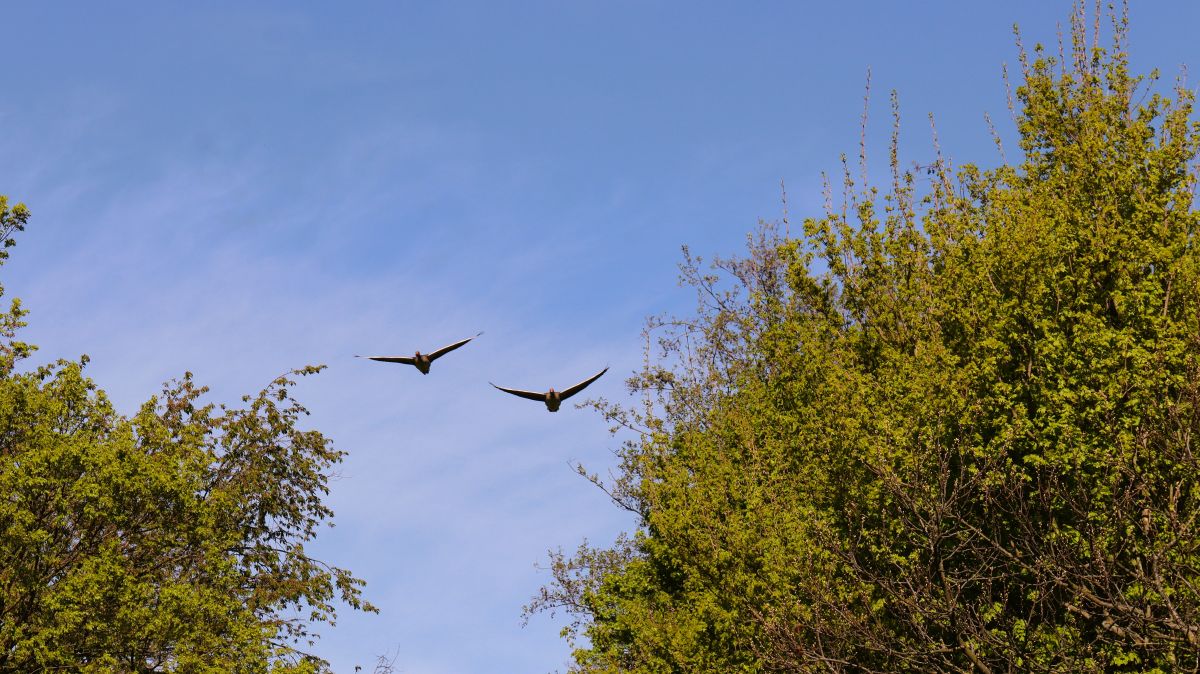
(553, 398)
(421, 361)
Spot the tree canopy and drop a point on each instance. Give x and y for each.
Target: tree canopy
(171, 540)
(946, 427)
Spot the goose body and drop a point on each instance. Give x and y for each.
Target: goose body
(553, 399)
(422, 361)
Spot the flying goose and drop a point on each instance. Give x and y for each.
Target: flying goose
(553, 398)
(422, 361)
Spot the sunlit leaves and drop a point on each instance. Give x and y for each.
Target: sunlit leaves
(171, 541)
(945, 430)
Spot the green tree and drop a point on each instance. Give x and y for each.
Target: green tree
(947, 428)
(169, 541)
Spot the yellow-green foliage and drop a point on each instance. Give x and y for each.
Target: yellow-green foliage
(172, 541)
(945, 429)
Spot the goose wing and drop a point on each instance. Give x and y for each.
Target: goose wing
(447, 349)
(531, 395)
(407, 360)
(581, 385)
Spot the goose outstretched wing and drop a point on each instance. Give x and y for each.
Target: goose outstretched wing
(447, 349)
(407, 360)
(581, 385)
(531, 395)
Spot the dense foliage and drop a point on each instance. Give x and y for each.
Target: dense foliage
(171, 541)
(946, 428)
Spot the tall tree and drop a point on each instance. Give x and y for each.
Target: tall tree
(169, 541)
(948, 428)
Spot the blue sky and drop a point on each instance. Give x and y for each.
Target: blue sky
(238, 189)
